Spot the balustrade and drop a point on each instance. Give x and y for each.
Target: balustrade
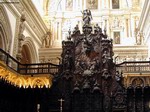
(28, 69)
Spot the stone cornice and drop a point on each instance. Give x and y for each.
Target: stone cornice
(131, 50)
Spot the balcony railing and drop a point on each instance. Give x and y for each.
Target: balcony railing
(49, 68)
(134, 67)
(28, 69)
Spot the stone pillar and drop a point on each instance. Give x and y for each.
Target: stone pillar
(134, 26)
(58, 33)
(130, 30)
(80, 4)
(74, 6)
(103, 4)
(125, 26)
(54, 32)
(99, 4)
(84, 4)
(21, 36)
(108, 26)
(106, 4)
(80, 25)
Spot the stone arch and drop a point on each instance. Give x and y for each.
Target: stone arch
(5, 30)
(20, 81)
(29, 51)
(37, 82)
(45, 6)
(3, 38)
(138, 81)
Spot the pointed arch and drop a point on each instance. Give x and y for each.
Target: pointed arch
(5, 30)
(3, 38)
(29, 50)
(45, 6)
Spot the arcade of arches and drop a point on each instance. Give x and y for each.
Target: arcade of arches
(56, 56)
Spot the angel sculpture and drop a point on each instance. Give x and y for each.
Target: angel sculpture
(87, 17)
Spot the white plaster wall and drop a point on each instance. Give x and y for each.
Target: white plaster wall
(12, 20)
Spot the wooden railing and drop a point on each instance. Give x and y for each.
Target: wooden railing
(49, 68)
(134, 67)
(28, 69)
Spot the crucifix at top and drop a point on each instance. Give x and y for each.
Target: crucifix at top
(61, 104)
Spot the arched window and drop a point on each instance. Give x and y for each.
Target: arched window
(115, 4)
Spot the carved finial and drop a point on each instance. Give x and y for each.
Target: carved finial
(97, 29)
(105, 35)
(69, 37)
(76, 30)
(76, 86)
(23, 17)
(105, 31)
(96, 86)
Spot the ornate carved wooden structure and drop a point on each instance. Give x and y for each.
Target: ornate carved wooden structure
(90, 82)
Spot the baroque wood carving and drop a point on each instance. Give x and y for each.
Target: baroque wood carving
(89, 69)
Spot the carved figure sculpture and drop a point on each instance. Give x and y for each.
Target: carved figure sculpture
(87, 17)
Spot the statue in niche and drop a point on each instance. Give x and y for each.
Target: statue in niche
(87, 17)
(68, 61)
(139, 38)
(136, 32)
(116, 23)
(106, 59)
(46, 40)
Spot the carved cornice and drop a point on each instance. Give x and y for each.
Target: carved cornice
(34, 16)
(24, 81)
